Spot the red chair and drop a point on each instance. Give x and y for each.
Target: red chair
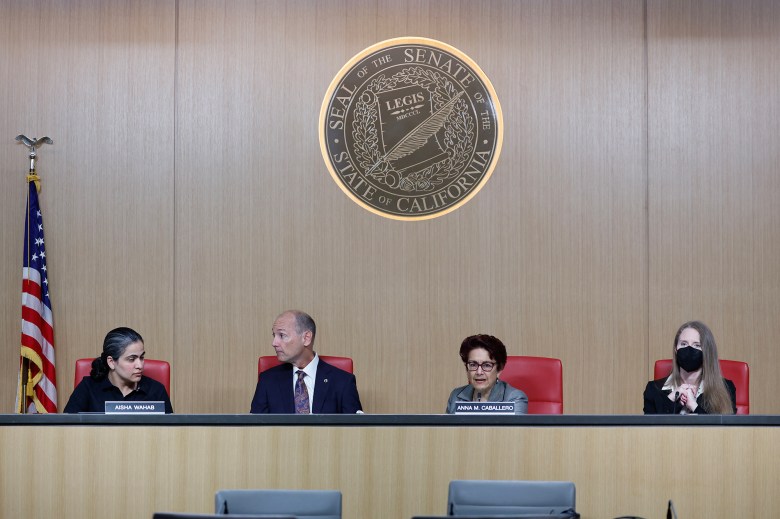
(269, 361)
(540, 378)
(159, 370)
(734, 370)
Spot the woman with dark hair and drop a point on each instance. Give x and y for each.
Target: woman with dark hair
(118, 374)
(485, 357)
(695, 385)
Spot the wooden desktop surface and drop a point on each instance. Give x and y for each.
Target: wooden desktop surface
(386, 466)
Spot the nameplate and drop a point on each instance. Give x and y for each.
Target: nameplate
(135, 407)
(485, 408)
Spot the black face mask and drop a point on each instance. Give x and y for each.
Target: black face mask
(689, 358)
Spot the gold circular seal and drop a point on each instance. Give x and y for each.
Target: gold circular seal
(411, 128)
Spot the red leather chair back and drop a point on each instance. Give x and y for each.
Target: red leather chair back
(540, 378)
(159, 370)
(734, 370)
(269, 361)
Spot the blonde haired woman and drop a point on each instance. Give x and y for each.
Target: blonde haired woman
(695, 385)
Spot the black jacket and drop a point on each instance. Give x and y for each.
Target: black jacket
(657, 399)
(91, 395)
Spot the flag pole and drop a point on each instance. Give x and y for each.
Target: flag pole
(25, 393)
(32, 145)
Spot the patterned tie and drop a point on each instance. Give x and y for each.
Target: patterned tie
(301, 395)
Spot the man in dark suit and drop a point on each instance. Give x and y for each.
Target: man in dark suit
(303, 383)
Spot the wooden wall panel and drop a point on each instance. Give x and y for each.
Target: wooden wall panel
(261, 227)
(713, 180)
(393, 472)
(97, 77)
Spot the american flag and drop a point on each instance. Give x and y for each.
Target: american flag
(37, 391)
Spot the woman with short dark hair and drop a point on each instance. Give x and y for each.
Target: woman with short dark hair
(484, 357)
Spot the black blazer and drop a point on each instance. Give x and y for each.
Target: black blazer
(335, 391)
(91, 395)
(657, 400)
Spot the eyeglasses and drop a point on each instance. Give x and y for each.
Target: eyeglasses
(486, 366)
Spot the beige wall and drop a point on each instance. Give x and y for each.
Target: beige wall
(186, 196)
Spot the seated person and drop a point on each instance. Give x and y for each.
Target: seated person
(485, 357)
(695, 384)
(304, 383)
(117, 375)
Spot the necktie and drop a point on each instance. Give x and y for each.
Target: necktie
(301, 395)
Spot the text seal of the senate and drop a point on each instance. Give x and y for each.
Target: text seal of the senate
(411, 128)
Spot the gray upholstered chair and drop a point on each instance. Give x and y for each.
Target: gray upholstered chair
(303, 504)
(533, 498)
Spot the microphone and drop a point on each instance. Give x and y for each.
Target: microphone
(479, 397)
(676, 398)
(671, 513)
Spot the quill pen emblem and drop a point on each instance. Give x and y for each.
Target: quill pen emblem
(415, 139)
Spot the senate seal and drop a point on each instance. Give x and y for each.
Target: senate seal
(411, 128)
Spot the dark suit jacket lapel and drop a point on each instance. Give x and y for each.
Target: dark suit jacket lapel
(321, 388)
(284, 386)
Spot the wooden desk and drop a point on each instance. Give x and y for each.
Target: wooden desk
(386, 466)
